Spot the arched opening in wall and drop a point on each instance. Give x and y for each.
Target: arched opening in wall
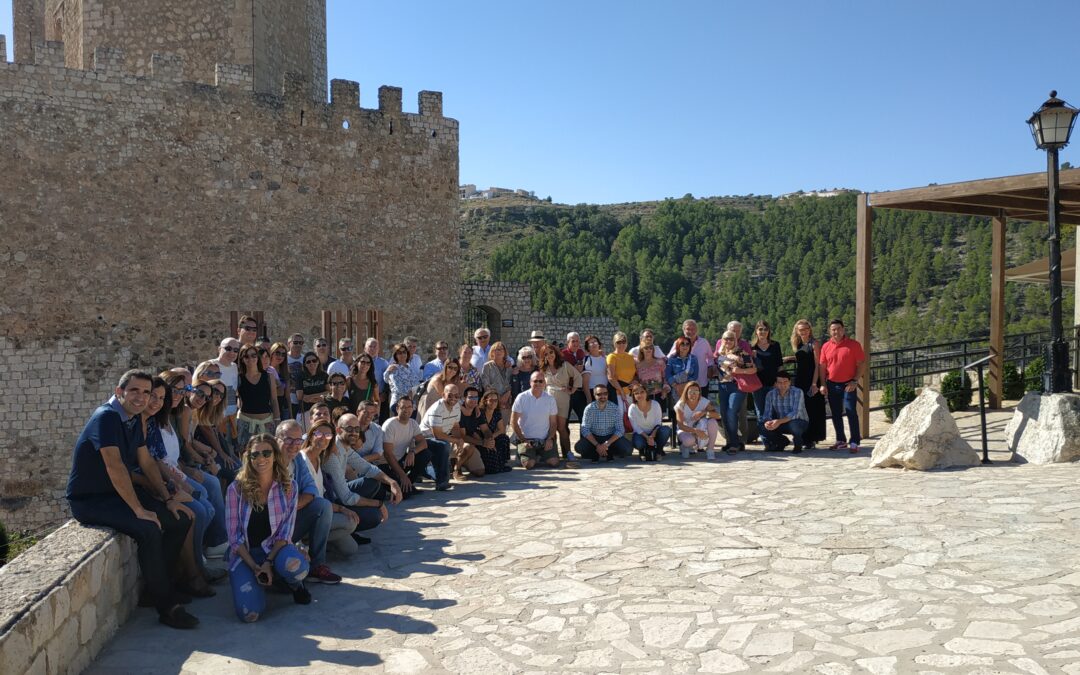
(482, 316)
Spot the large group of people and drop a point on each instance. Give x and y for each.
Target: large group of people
(269, 454)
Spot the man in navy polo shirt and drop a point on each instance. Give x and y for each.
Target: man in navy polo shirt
(100, 492)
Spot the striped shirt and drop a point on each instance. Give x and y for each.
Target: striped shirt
(282, 508)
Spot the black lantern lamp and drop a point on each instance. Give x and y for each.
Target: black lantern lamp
(1051, 125)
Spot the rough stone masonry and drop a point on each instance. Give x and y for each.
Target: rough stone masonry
(167, 163)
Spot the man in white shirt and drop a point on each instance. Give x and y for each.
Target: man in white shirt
(443, 433)
(482, 338)
(405, 448)
(344, 360)
(230, 377)
(647, 340)
(534, 419)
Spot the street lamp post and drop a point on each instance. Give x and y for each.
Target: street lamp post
(1051, 126)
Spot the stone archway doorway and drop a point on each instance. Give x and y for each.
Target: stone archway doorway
(482, 316)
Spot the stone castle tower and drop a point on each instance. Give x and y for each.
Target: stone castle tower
(273, 37)
(166, 164)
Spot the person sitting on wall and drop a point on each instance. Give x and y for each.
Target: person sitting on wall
(602, 431)
(261, 511)
(785, 413)
(405, 448)
(314, 516)
(534, 418)
(100, 492)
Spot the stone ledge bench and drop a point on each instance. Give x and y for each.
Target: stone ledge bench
(64, 598)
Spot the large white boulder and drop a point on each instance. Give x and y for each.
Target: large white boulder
(1045, 429)
(924, 436)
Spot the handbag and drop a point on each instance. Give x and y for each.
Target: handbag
(748, 383)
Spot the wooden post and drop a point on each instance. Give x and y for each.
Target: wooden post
(327, 324)
(864, 266)
(997, 311)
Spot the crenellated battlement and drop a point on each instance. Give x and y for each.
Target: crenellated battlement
(292, 99)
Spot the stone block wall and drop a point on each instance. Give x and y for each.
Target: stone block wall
(138, 212)
(510, 301)
(64, 599)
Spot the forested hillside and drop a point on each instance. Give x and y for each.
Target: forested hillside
(760, 258)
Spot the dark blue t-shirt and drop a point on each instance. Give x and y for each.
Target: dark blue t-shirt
(106, 427)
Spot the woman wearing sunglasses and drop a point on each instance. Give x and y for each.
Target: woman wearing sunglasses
(312, 385)
(256, 393)
(401, 378)
(261, 512)
(279, 370)
(362, 383)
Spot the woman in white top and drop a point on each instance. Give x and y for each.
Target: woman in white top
(696, 421)
(595, 369)
(647, 421)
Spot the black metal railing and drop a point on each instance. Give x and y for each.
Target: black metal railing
(891, 368)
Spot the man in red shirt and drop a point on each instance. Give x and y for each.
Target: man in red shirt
(843, 360)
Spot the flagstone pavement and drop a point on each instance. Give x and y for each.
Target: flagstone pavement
(758, 563)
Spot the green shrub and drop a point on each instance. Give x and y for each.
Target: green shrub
(957, 390)
(3, 544)
(905, 393)
(1033, 374)
(1012, 382)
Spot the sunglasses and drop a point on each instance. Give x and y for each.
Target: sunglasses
(231, 349)
(310, 361)
(337, 383)
(322, 434)
(441, 349)
(219, 392)
(472, 398)
(198, 393)
(296, 342)
(286, 442)
(620, 342)
(248, 327)
(345, 349)
(265, 453)
(252, 356)
(320, 345)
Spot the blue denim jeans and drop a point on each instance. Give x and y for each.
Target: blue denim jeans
(759, 408)
(793, 428)
(313, 522)
(730, 402)
(663, 435)
(249, 597)
(843, 403)
(440, 460)
(211, 487)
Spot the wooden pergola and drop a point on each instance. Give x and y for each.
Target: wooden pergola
(1021, 197)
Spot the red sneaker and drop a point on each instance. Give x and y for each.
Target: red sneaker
(322, 574)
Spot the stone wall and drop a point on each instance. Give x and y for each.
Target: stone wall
(138, 212)
(64, 599)
(507, 301)
(273, 36)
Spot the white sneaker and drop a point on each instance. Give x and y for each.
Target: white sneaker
(217, 551)
(570, 456)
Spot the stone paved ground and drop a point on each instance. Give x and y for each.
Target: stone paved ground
(768, 563)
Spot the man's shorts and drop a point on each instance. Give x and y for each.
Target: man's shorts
(535, 451)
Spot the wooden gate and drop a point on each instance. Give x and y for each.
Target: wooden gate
(357, 324)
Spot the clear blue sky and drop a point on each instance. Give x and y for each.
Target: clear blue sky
(625, 100)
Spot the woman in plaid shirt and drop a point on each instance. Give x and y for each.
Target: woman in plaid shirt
(260, 514)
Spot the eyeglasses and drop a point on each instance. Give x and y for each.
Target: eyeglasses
(351, 430)
(296, 342)
(441, 349)
(248, 328)
(320, 345)
(265, 453)
(219, 393)
(179, 390)
(347, 348)
(472, 398)
(199, 393)
(537, 381)
(280, 353)
(231, 349)
(310, 361)
(286, 442)
(322, 434)
(251, 355)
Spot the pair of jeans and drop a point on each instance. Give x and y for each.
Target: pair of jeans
(844, 403)
(663, 435)
(369, 488)
(313, 522)
(619, 447)
(246, 427)
(794, 428)
(759, 408)
(211, 487)
(439, 458)
(157, 547)
(203, 511)
(730, 401)
(249, 597)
